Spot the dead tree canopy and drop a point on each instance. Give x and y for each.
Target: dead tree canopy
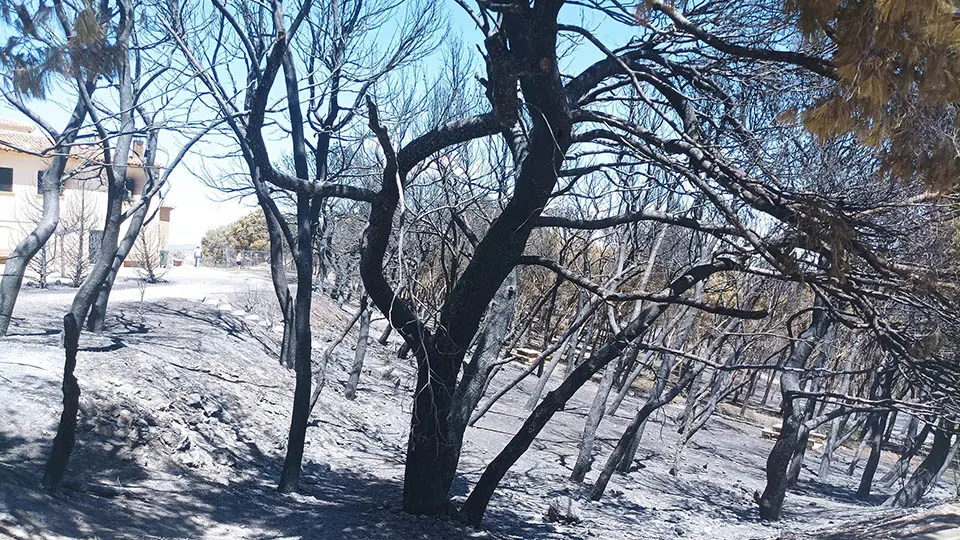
(686, 126)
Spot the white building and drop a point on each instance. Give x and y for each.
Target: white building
(24, 155)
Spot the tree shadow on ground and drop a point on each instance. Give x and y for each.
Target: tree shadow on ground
(125, 481)
(812, 487)
(330, 504)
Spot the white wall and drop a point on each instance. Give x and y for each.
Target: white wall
(20, 209)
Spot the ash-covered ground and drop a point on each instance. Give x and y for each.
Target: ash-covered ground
(185, 409)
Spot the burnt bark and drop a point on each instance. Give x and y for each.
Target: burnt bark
(477, 373)
(915, 441)
(136, 222)
(834, 433)
(476, 504)
(771, 501)
(625, 444)
(19, 259)
(922, 479)
(307, 211)
(878, 422)
(667, 363)
(385, 336)
(117, 159)
(67, 429)
(363, 334)
(296, 438)
(592, 423)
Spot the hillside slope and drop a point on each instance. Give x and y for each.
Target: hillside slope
(184, 413)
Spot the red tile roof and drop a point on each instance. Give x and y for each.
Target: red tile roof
(27, 139)
(23, 138)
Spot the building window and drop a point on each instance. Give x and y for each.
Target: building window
(6, 179)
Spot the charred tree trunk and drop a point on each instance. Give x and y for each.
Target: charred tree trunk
(556, 349)
(116, 174)
(809, 408)
(771, 501)
(625, 444)
(387, 330)
(296, 438)
(547, 328)
(631, 358)
(663, 374)
(98, 312)
(830, 444)
(878, 423)
(67, 429)
(109, 244)
(629, 453)
(363, 334)
(570, 341)
(327, 355)
(19, 259)
(921, 481)
(594, 416)
(478, 371)
(902, 466)
(751, 387)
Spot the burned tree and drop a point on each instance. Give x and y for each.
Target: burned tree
(658, 111)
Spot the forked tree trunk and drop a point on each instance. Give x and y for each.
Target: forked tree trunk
(594, 416)
(629, 452)
(98, 312)
(751, 387)
(828, 446)
(327, 355)
(630, 358)
(109, 242)
(67, 429)
(771, 501)
(855, 461)
(877, 421)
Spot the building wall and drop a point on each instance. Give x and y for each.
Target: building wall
(12, 205)
(84, 195)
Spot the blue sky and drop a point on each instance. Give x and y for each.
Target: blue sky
(199, 207)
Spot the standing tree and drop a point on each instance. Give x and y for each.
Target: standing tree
(46, 51)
